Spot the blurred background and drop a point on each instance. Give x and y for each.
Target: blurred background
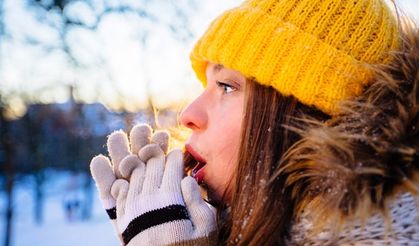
(71, 72)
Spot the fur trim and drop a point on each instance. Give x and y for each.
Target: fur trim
(351, 165)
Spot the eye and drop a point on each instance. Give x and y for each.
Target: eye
(226, 87)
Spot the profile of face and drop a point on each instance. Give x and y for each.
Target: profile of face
(215, 118)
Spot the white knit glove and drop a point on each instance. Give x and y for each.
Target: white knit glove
(151, 187)
(157, 207)
(106, 172)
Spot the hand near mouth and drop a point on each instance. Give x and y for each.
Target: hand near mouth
(106, 171)
(150, 193)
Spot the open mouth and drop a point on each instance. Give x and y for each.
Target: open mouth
(198, 164)
(198, 172)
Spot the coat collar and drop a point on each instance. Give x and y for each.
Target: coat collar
(355, 162)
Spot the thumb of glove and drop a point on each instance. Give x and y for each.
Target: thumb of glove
(203, 218)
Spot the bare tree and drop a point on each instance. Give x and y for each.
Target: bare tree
(56, 15)
(48, 11)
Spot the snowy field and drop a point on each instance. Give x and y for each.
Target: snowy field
(56, 229)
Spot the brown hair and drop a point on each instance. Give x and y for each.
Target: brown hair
(261, 209)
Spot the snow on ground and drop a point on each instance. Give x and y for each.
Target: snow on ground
(55, 230)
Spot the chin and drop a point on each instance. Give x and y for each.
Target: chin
(217, 197)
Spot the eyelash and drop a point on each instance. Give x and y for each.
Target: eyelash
(225, 85)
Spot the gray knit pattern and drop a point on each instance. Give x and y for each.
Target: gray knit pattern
(404, 230)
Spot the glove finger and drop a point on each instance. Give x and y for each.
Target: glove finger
(203, 218)
(153, 156)
(139, 137)
(101, 170)
(162, 139)
(128, 164)
(136, 183)
(119, 192)
(118, 148)
(173, 172)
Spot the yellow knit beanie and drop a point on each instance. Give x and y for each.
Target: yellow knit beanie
(315, 50)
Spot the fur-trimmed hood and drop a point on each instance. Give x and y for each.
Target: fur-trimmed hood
(355, 163)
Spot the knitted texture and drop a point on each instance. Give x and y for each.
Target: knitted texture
(314, 50)
(106, 172)
(157, 206)
(143, 190)
(402, 228)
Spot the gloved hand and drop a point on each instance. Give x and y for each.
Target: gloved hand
(157, 206)
(106, 172)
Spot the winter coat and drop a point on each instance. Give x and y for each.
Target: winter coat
(355, 178)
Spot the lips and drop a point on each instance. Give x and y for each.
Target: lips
(198, 171)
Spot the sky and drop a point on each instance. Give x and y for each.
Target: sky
(163, 63)
(160, 68)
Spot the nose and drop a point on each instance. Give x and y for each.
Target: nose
(195, 115)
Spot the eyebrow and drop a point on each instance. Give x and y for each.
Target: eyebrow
(217, 68)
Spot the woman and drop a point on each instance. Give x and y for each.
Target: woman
(307, 130)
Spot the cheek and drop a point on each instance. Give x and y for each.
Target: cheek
(228, 141)
(225, 149)
(229, 155)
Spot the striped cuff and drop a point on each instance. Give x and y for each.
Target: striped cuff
(153, 218)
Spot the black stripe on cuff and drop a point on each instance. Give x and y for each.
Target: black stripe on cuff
(153, 218)
(111, 213)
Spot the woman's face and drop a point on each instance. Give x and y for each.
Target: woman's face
(215, 120)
